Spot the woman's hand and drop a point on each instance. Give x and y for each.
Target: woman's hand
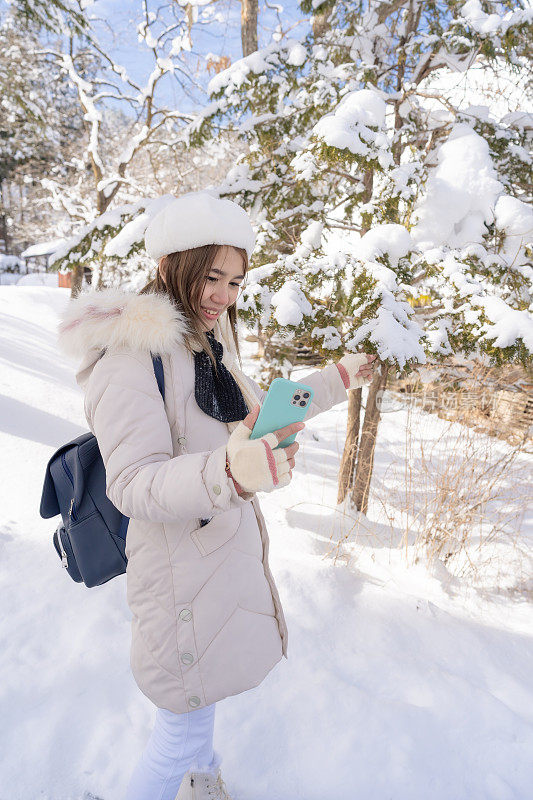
(259, 464)
(356, 369)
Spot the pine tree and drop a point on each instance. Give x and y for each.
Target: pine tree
(368, 189)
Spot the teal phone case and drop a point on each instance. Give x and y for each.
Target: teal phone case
(277, 409)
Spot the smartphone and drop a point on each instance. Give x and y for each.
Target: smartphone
(285, 402)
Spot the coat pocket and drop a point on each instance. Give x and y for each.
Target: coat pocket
(219, 530)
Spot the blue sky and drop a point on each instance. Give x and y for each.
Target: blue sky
(118, 35)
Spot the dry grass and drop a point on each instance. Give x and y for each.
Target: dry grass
(456, 498)
(462, 494)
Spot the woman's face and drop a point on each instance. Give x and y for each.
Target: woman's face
(222, 286)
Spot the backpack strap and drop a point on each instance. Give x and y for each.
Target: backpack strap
(159, 374)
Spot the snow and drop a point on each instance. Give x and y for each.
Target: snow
(87, 100)
(134, 143)
(39, 279)
(393, 331)
(143, 211)
(165, 64)
(357, 124)
(133, 231)
(304, 165)
(296, 55)
(42, 248)
(438, 339)
(515, 219)
(320, 52)
(400, 682)
(507, 324)
(290, 50)
(179, 43)
(290, 304)
(329, 335)
(519, 119)
(311, 237)
(496, 84)
(388, 239)
(481, 22)
(7, 278)
(128, 235)
(487, 24)
(10, 262)
(461, 193)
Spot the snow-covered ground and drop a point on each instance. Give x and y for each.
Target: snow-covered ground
(31, 279)
(401, 684)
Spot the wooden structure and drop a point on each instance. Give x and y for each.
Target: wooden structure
(497, 401)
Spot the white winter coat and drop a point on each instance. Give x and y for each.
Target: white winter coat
(207, 617)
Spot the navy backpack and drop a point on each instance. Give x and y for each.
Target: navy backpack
(91, 539)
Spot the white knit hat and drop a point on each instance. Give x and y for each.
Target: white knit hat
(195, 219)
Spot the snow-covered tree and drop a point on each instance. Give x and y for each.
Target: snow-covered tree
(46, 13)
(38, 121)
(150, 122)
(112, 245)
(369, 187)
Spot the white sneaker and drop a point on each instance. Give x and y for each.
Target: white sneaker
(204, 783)
(203, 786)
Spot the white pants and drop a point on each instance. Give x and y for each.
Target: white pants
(177, 743)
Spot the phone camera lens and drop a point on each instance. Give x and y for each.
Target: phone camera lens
(302, 402)
(296, 396)
(306, 394)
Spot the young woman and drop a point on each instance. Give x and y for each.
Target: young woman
(207, 618)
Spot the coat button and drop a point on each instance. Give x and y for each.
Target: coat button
(185, 615)
(217, 489)
(194, 701)
(187, 658)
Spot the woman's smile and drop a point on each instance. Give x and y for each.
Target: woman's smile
(221, 285)
(211, 313)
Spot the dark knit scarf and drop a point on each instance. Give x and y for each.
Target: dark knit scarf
(219, 394)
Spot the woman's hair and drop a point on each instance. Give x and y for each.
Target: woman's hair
(185, 275)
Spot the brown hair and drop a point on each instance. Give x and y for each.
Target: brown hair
(185, 275)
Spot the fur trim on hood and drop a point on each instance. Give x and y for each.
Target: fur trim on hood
(113, 319)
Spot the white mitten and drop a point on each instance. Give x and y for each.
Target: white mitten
(348, 366)
(254, 463)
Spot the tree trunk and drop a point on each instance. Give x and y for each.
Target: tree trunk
(5, 235)
(352, 440)
(320, 23)
(367, 445)
(351, 445)
(77, 279)
(261, 342)
(248, 26)
(361, 453)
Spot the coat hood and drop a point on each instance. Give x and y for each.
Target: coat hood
(115, 319)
